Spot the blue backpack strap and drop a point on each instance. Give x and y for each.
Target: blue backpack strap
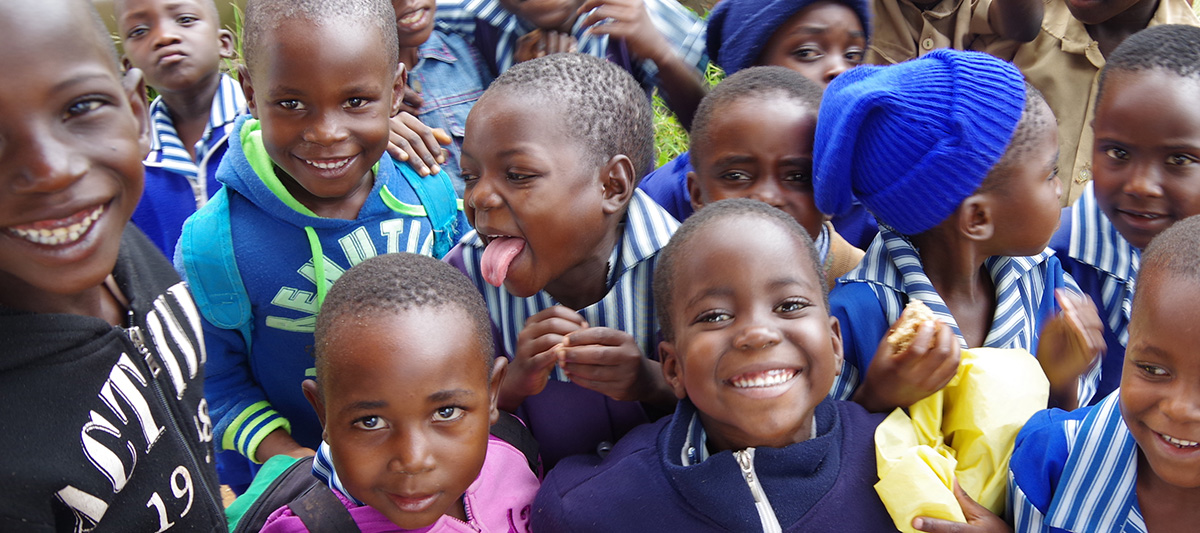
(441, 205)
(206, 247)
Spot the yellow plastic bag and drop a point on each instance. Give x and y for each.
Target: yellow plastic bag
(966, 430)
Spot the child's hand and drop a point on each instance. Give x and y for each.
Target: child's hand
(412, 101)
(412, 141)
(628, 20)
(539, 43)
(1070, 343)
(608, 361)
(901, 379)
(536, 354)
(979, 518)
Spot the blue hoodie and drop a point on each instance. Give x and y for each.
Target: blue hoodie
(275, 238)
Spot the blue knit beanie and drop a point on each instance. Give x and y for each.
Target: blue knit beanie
(911, 141)
(738, 29)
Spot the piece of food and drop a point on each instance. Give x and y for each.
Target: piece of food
(915, 314)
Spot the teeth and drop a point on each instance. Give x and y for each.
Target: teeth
(412, 17)
(61, 235)
(323, 165)
(769, 378)
(1179, 443)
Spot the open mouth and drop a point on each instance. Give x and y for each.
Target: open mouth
(1178, 443)
(329, 164)
(414, 17)
(412, 504)
(59, 232)
(768, 378)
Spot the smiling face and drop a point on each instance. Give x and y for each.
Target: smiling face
(414, 21)
(72, 139)
(754, 347)
(1147, 152)
(1160, 384)
(820, 41)
(545, 14)
(535, 195)
(325, 118)
(406, 414)
(760, 148)
(178, 44)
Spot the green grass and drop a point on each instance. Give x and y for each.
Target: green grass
(670, 139)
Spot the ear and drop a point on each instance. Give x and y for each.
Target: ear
(617, 179)
(228, 48)
(135, 90)
(499, 368)
(248, 89)
(693, 188)
(125, 64)
(835, 333)
(975, 217)
(672, 368)
(398, 86)
(312, 393)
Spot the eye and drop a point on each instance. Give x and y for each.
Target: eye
(357, 102)
(186, 19)
(518, 177)
(370, 423)
(1117, 153)
(713, 317)
(84, 106)
(798, 176)
(1053, 174)
(468, 178)
(447, 414)
(291, 105)
(807, 53)
(737, 175)
(1180, 160)
(854, 55)
(792, 305)
(1152, 370)
(136, 31)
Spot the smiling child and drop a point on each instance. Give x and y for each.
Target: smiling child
(1131, 462)
(103, 368)
(564, 247)
(308, 194)
(750, 350)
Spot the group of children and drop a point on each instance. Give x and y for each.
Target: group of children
(723, 374)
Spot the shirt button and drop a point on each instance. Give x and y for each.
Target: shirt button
(1085, 175)
(927, 44)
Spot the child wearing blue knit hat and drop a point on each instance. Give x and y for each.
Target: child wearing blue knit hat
(955, 156)
(819, 39)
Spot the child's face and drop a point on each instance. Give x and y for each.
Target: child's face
(755, 349)
(177, 43)
(760, 149)
(405, 413)
(414, 21)
(529, 179)
(324, 93)
(1146, 161)
(820, 41)
(72, 137)
(1160, 384)
(1027, 202)
(545, 14)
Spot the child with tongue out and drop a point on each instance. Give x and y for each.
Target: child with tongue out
(565, 247)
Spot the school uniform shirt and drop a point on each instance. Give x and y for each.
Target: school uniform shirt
(661, 477)
(567, 419)
(1105, 267)
(253, 386)
(1076, 471)
(106, 427)
(494, 32)
(1064, 63)
(903, 31)
(176, 185)
(871, 297)
(450, 75)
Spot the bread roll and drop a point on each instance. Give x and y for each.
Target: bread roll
(915, 314)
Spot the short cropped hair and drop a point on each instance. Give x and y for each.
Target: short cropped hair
(755, 82)
(1169, 47)
(265, 16)
(600, 104)
(677, 250)
(1034, 118)
(1173, 255)
(399, 282)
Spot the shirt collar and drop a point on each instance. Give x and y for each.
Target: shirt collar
(1096, 242)
(1096, 491)
(228, 103)
(323, 469)
(435, 48)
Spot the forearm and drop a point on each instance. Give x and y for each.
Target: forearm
(279, 442)
(681, 85)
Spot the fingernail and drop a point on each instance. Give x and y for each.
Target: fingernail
(918, 523)
(435, 169)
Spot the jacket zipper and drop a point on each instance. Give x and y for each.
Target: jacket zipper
(766, 513)
(135, 335)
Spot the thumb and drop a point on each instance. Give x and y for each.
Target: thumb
(971, 509)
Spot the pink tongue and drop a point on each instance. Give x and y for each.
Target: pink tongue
(497, 256)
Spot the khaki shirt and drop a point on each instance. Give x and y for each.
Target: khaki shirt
(903, 31)
(1064, 63)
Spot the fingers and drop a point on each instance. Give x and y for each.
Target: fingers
(558, 311)
(442, 136)
(979, 518)
(413, 100)
(414, 142)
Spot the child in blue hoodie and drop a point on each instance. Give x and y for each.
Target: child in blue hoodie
(308, 194)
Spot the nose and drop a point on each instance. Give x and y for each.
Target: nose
(412, 453)
(1145, 180)
(1182, 405)
(164, 34)
(482, 195)
(326, 129)
(757, 336)
(768, 190)
(836, 65)
(44, 163)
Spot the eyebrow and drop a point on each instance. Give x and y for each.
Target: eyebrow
(81, 79)
(364, 405)
(452, 394)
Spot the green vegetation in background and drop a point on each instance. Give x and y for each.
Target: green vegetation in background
(670, 139)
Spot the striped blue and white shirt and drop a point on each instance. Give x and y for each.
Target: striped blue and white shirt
(629, 304)
(1095, 242)
(167, 150)
(682, 29)
(1093, 457)
(871, 297)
